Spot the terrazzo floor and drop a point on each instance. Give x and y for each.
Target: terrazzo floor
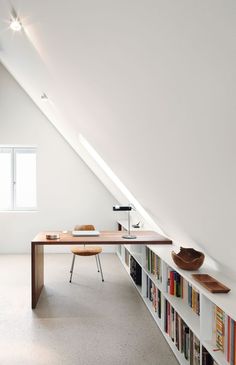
(84, 323)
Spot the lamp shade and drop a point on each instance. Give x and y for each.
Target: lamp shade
(122, 207)
(126, 208)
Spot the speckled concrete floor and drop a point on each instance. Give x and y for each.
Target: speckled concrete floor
(84, 323)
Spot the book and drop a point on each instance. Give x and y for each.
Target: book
(181, 335)
(232, 342)
(191, 348)
(154, 295)
(234, 345)
(135, 271)
(153, 264)
(206, 357)
(196, 351)
(180, 288)
(224, 335)
(228, 338)
(219, 328)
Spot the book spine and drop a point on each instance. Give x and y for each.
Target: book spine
(159, 304)
(168, 320)
(191, 348)
(177, 330)
(172, 283)
(228, 339)
(190, 295)
(178, 286)
(234, 347)
(219, 329)
(225, 335)
(175, 284)
(172, 323)
(232, 341)
(165, 317)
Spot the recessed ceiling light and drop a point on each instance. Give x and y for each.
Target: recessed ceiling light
(15, 24)
(44, 96)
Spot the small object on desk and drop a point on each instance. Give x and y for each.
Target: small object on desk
(65, 231)
(137, 225)
(85, 233)
(211, 284)
(52, 236)
(188, 259)
(122, 207)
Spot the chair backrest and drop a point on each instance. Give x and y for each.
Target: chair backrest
(85, 227)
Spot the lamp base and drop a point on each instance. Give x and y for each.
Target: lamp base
(129, 237)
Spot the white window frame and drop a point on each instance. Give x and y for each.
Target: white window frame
(14, 150)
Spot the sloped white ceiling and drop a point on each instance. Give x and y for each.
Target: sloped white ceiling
(151, 85)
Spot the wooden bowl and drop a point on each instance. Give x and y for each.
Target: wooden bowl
(52, 236)
(188, 258)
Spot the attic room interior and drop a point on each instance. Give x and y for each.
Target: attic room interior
(117, 182)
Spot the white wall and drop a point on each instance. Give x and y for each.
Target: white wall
(151, 85)
(68, 192)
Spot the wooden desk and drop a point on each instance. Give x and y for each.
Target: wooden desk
(105, 238)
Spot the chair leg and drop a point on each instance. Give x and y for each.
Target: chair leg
(97, 262)
(100, 266)
(72, 267)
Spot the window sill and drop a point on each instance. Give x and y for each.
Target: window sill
(19, 211)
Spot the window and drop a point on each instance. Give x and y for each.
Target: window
(17, 178)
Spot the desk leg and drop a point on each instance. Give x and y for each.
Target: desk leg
(37, 272)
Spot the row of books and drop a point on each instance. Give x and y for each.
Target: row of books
(180, 288)
(224, 335)
(193, 299)
(154, 295)
(135, 271)
(153, 264)
(183, 338)
(175, 283)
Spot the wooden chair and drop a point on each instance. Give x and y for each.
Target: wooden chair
(86, 251)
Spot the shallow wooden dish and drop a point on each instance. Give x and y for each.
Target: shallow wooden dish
(188, 259)
(211, 284)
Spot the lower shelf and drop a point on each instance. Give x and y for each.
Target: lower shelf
(180, 357)
(139, 289)
(186, 313)
(218, 356)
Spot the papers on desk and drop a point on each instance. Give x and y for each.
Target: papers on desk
(85, 233)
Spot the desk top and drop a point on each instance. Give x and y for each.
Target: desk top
(105, 238)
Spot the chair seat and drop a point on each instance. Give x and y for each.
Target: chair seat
(86, 251)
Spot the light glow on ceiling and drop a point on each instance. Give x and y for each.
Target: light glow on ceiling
(15, 24)
(112, 176)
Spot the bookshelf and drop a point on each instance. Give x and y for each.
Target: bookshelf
(189, 308)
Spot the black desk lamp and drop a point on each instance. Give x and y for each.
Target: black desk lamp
(126, 208)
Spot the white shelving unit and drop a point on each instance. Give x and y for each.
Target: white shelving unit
(201, 325)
